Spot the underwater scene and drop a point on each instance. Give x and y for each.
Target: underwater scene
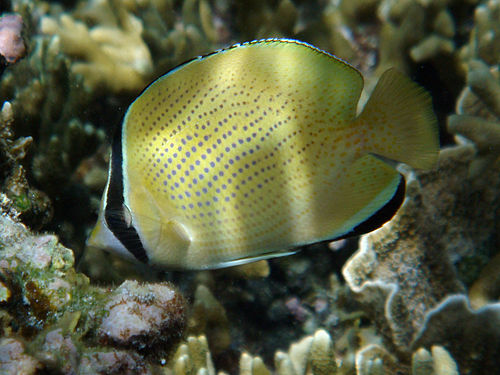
(262, 187)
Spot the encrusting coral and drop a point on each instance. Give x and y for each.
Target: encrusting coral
(46, 105)
(30, 204)
(463, 331)
(148, 318)
(405, 269)
(72, 325)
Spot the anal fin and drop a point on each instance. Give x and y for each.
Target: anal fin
(370, 189)
(250, 259)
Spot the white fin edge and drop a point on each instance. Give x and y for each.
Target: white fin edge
(241, 261)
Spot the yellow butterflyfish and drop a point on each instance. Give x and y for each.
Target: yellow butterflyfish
(255, 150)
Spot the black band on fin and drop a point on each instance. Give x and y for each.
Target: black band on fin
(113, 212)
(383, 215)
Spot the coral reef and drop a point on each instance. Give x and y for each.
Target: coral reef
(71, 325)
(45, 105)
(112, 49)
(30, 204)
(313, 355)
(420, 295)
(404, 270)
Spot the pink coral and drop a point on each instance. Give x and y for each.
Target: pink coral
(12, 46)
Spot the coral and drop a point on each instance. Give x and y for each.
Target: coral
(14, 360)
(254, 270)
(313, 354)
(252, 365)
(486, 288)
(395, 313)
(114, 56)
(478, 115)
(404, 269)
(120, 46)
(12, 46)
(439, 362)
(60, 351)
(263, 19)
(103, 363)
(475, 344)
(148, 318)
(484, 41)
(193, 357)
(209, 317)
(374, 360)
(72, 325)
(32, 205)
(41, 126)
(45, 102)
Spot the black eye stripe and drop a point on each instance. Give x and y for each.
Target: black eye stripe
(113, 212)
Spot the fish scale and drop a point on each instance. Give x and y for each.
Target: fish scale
(248, 152)
(252, 162)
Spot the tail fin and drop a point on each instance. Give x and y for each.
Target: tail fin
(399, 122)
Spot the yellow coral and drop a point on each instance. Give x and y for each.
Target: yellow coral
(107, 56)
(252, 365)
(193, 357)
(440, 362)
(313, 355)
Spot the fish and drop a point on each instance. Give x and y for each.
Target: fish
(256, 150)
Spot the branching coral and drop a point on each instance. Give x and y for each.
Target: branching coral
(478, 115)
(193, 357)
(485, 36)
(120, 46)
(208, 316)
(313, 354)
(115, 57)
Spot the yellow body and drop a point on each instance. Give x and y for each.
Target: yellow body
(257, 149)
